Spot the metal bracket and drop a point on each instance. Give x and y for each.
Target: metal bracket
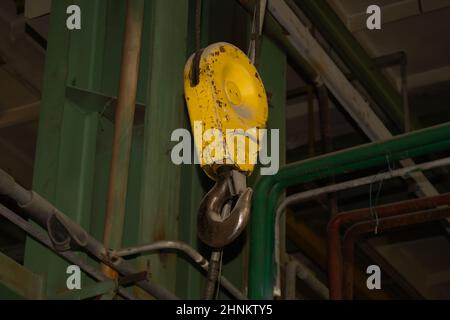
(133, 278)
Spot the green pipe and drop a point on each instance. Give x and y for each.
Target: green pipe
(269, 189)
(355, 57)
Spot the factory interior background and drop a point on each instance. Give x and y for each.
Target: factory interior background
(358, 208)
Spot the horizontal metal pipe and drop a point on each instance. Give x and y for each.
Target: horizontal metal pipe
(302, 196)
(70, 256)
(334, 244)
(187, 249)
(403, 172)
(381, 225)
(163, 245)
(65, 234)
(296, 269)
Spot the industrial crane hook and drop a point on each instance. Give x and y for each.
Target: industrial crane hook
(213, 229)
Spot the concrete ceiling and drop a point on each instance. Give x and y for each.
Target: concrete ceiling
(418, 28)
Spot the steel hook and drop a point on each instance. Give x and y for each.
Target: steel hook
(213, 229)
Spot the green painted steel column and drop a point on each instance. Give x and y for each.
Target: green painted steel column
(75, 132)
(355, 57)
(64, 168)
(269, 189)
(159, 203)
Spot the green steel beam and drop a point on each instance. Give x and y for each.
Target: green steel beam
(20, 280)
(101, 103)
(273, 67)
(88, 292)
(355, 57)
(60, 172)
(160, 189)
(269, 189)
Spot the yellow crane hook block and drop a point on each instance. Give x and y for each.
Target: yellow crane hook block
(227, 105)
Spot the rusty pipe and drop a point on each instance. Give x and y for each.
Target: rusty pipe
(385, 224)
(123, 128)
(333, 236)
